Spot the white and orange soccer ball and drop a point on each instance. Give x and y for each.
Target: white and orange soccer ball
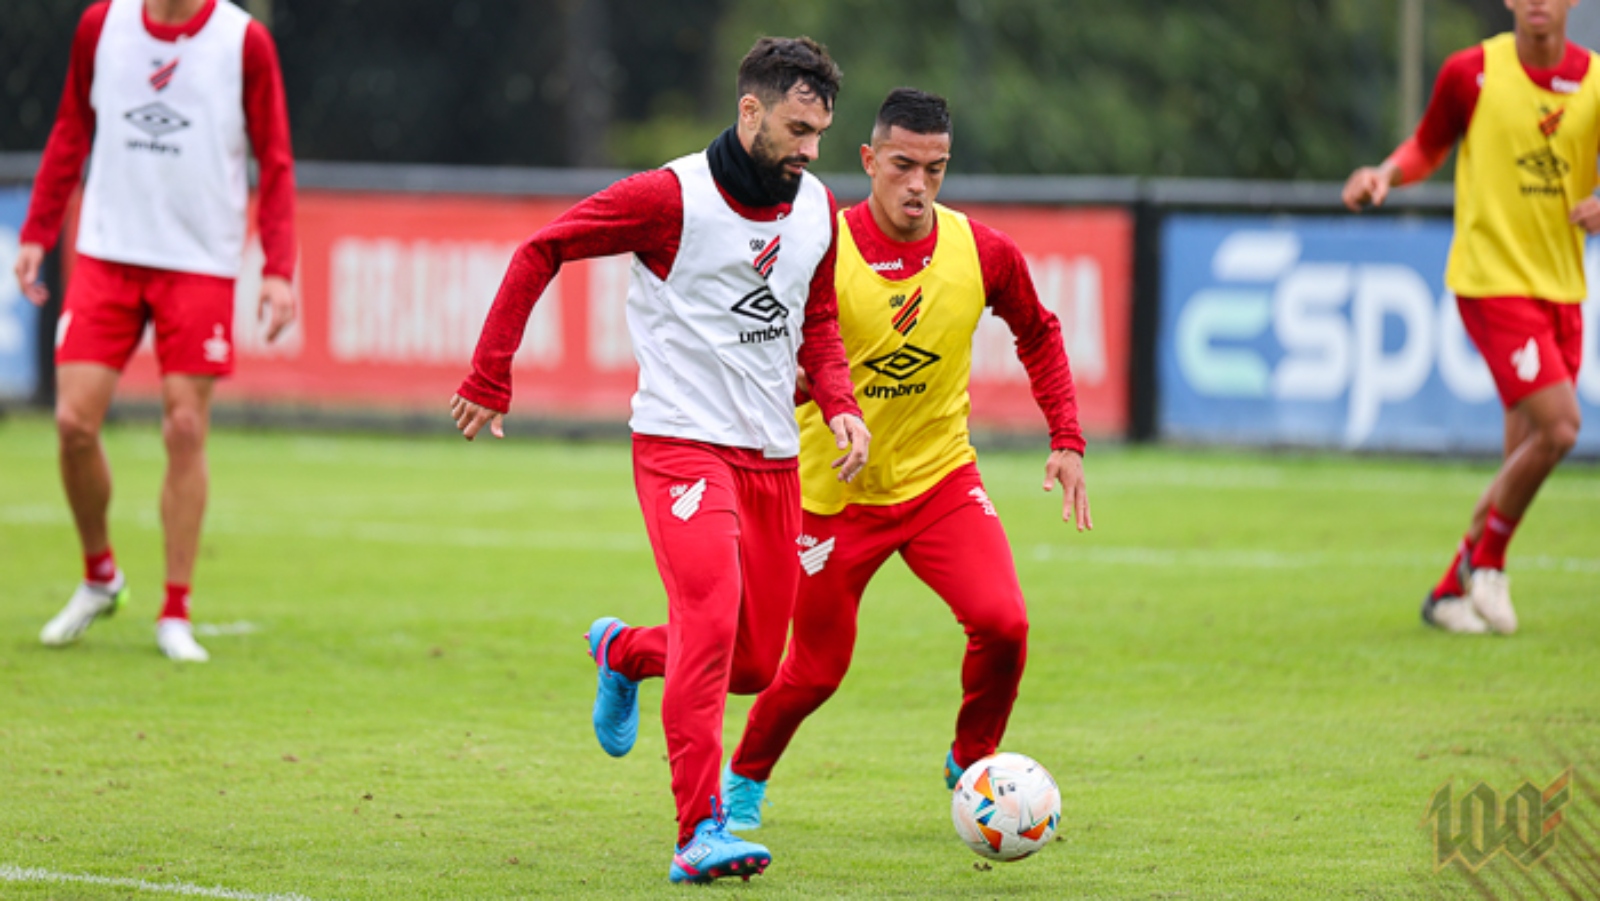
(1006, 807)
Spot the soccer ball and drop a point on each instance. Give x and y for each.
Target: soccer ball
(1006, 807)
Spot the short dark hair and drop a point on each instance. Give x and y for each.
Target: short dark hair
(774, 65)
(915, 111)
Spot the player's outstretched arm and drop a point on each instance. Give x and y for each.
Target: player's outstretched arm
(1370, 185)
(850, 432)
(1066, 467)
(470, 418)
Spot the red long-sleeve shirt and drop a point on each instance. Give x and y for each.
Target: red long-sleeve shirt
(266, 121)
(1010, 295)
(642, 215)
(1455, 97)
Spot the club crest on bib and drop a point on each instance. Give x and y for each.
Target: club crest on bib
(766, 254)
(907, 311)
(162, 76)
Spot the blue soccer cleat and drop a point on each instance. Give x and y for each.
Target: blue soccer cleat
(952, 773)
(745, 797)
(616, 699)
(714, 853)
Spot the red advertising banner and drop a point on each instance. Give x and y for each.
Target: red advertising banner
(394, 288)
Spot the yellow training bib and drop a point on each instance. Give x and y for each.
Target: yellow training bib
(1527, 159)
(910, 349)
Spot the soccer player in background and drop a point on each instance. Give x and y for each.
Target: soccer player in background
(165, 98)
(913, 278)
(732, 286)
(1526, 108)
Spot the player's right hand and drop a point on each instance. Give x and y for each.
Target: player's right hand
(470, 418)
(30, 259)
(1369, 184)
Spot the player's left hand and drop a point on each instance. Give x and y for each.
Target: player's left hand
(850, 432)
(1066, 467)
(1586, 215)
(277, 305)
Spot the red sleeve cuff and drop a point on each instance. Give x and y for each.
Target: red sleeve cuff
(474, 389)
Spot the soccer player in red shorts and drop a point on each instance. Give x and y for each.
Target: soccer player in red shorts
(732, 287)
(166, 98)
(913, 278)
(1525, 107)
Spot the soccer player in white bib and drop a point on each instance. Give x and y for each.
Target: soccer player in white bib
(732, 287)
(165, 99)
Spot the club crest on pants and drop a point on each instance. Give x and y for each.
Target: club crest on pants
(813, 553)
(687, 499)
(981, 497)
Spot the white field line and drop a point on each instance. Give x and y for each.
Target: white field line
(1269, 560)
(9, 873)
(419, 534)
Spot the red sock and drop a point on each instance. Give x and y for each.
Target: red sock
(1491, 550)
(1451, 585)
(101, 567)
(177, 605)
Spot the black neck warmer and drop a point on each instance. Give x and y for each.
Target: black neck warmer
(737, 172)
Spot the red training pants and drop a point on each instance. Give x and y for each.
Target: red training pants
(722, 523)
(952, 539)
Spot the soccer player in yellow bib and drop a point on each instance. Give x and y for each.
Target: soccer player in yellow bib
(913, 278)
(1525, 107)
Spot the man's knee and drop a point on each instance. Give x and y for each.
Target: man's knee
(77, 430)
(1006, 632)
(751, 677)
(184, 430)
(1560, 436)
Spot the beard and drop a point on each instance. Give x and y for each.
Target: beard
(778, 181)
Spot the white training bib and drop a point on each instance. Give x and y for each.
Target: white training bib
(717, 339)
(167, 184)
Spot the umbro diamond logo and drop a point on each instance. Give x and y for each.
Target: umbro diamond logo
(767, 257)
(688, 499)
(815, 556)
(1527, 361)
(761, 304)
(903, 363)
(156, 119)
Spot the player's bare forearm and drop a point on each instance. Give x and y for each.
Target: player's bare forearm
(850, 432)
(1066, 467)
(471, 418)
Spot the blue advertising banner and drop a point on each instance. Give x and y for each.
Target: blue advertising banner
(1328, 332)
(19, 368)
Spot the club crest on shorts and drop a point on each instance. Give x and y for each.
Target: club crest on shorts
(1526, 360)
(216, 346)
(687, 499)
(981, 497)
(814, 554)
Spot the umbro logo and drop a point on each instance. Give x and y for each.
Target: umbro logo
(766, 255)
(903, 363)
(156, 119)
(761, 304)
(688, 498)
(815, 554)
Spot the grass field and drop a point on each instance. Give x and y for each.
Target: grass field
(1228, 678)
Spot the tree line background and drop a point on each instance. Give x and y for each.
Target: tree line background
(1293, 89)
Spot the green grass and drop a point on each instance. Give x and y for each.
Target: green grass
(1227, 677)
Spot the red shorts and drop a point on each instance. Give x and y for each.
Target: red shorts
(1529, 344)
(108, 304)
